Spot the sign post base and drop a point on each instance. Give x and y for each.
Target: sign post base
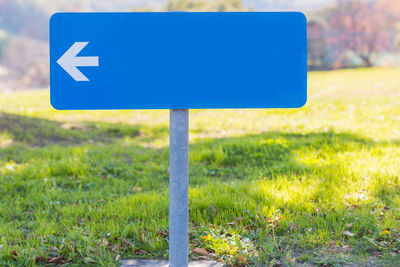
(160, 263)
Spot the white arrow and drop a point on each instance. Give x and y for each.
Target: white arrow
(69, 61)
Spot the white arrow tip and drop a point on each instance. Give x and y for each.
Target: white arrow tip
(69, 61)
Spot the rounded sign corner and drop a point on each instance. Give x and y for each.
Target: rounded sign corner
(54, 16)
(302, 16)
(54, 103)
(303, 103)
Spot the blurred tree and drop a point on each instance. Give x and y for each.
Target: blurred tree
(232, 5)
(359, 27)
(24, 18)
(142, 9)
(27, 62)
(388, 11)
(186, 5)
(204, 5)
(4, 38)
(316, 44)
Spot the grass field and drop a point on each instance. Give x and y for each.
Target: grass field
(318, 186)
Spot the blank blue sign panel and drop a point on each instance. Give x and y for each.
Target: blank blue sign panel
(178, 60)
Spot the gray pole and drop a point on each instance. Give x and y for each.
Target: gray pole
(178, 187)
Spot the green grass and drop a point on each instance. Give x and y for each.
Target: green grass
(318, 185)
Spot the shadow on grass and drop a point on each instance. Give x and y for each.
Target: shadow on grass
(275, 153)
(241, 158)
(245, 158)
(35, 132)
(286, 171)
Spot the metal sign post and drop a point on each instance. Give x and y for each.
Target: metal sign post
(178, 187)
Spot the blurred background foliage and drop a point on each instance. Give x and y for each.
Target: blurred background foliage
(203, 5)
(342, 33)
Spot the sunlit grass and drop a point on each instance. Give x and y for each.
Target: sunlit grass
(91, 185)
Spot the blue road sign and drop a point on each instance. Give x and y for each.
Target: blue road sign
(178, 60)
